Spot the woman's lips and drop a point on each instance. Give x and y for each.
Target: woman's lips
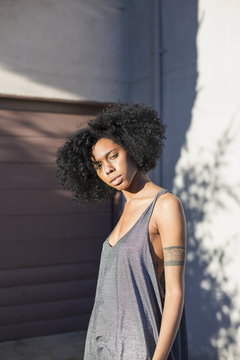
(117, 180)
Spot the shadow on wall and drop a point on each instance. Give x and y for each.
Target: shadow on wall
(179, 32)
(210, 304)
(210, 301)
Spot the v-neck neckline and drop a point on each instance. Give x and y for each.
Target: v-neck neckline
(113, 246)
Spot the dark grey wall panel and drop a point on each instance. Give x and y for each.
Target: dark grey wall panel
(44, 327)
(35, 293)
(39, 202)
(48, 274)
(30, 228)
(50, 250)
(46, 252)
(44, 311)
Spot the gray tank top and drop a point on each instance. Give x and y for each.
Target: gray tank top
(126, 316)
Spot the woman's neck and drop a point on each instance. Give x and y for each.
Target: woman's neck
(138, 186)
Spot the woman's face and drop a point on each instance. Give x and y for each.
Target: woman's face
(113, 164)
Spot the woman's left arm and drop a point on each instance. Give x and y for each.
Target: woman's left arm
(172, 228)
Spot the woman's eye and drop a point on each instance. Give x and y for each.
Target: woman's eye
(114, 156)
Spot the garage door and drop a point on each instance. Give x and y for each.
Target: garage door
(50, 251)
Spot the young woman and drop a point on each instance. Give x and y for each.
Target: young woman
(138, 312)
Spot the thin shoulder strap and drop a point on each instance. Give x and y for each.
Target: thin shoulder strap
(153, 201)
(163, 191)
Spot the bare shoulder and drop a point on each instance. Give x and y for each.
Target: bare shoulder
(167, 201)
(169, 221)
(168, 209)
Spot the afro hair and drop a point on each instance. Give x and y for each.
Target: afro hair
(135, 127)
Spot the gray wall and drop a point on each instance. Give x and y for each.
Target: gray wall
(179, 76)
(179, 29)
(77, 50)
(140, 50)
(69, 50)
(200, 100)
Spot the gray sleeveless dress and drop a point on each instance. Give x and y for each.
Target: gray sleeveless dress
(126, 316)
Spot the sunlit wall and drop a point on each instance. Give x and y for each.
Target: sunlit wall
(67, 50)
(202, 109)
(77, 50)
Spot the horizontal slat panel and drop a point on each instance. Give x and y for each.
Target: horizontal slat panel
(60, 251)
(47, 292)
(28, 176)
(53, 227)
(48, 274)
(29, 149)
(43, 311)
(56, 107)
(45, 202)
(23, 123)
(50, 246)
(46, 327)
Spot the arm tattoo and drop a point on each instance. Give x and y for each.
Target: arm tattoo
(174, 255)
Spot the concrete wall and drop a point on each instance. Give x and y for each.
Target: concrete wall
(140, 50)
(84, 50)
(69, 50)
(201, 162)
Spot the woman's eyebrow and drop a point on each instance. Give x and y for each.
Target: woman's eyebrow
(97, 161)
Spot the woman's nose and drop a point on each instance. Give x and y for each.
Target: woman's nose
(108, 168)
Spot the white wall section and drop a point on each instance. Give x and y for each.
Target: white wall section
(70, 50)
(202, 110)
